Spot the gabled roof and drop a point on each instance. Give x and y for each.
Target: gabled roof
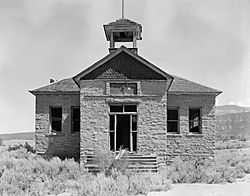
(113, 55)
(178, 86)
(65, 85)
(181, 85)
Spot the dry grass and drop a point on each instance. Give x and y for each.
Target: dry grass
(24, 173)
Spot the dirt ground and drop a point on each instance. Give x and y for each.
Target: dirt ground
(240, 188)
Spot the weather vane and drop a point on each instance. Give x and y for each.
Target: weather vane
(122, 8)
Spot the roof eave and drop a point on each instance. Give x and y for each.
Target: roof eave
(34, 92)
(194, 93)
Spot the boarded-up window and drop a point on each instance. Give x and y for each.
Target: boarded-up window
(123, 88)
(56, 119)
(173, 120)
(75, 117)
(195, 120)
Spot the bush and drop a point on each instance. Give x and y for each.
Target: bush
(26, 146)
(23, 174)
(1, 141)
(106, 162)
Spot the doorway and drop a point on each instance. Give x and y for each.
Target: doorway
(123, 132)
(123, 127)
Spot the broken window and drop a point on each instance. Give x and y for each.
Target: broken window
(75, 117)
(116, 108)
(123, 88)
(56, 119)
(194, 120)
(173, 120)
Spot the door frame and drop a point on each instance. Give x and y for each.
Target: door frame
(131, 131)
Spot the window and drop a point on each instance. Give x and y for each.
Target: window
(123, 88)
(75, 118)
(173, 120)
(195, 120)
(56, 119)
(123, 108)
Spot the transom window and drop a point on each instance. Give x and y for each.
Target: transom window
(56, 119)
(195, 120)
(123, 108)
(123, 88)
(173, 120)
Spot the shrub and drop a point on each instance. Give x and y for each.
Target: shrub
(22, 174)
(106, 162)
(1, 141)
(226, 167)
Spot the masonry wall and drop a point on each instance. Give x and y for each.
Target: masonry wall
(151, 110)
(190, 145)
(64, 144)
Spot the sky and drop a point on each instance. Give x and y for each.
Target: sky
(206, 41)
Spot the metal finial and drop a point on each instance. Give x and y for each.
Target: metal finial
(122, 8)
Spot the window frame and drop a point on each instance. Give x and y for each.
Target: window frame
(72, 119)
(124, 84)
(55, 118)
(199, 121)
(177, 121)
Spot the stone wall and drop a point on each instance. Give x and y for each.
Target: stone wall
(64, 144)
(152, 103)
(190, 145)
(151, 110)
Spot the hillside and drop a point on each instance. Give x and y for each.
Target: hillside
(18, 136)
(233, 120)
(231, 109)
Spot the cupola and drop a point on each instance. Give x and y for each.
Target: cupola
(123, 30)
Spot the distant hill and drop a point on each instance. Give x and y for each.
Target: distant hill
(233, 120)
(231, 109)
(18, 136)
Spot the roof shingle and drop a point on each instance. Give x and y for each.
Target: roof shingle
(181, 85)
(64, 85)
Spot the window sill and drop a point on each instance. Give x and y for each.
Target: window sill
(75, 133)
(55, 134)
(174, 135)
(194, 135)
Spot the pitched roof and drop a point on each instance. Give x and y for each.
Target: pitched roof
(181, 85)
(64, 85)
(131, 55)
(123, 21)
(70, 85)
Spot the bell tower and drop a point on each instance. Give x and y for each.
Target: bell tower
(123, 30)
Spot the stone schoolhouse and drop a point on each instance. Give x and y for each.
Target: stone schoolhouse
(124, 101)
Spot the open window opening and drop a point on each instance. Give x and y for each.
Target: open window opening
(75, 118)
(173, 120)
(56, 119)
(123, 127)
(123, 88)
(195, 120)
